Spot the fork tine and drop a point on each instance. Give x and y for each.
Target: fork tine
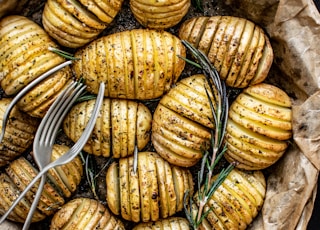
(67, 157)
(25, 90)
(57, 117)
(43, 125)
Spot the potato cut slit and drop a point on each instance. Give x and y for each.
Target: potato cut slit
(228, 207)
(248, 59)
(108, 62)
(135, 63)
(242, 51)
(125, 67)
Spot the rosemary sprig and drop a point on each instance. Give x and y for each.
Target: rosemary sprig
(219, 107)
(91, 174)
(62, 53)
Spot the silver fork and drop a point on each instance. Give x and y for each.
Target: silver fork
(46, 135)
(25, 90)
(68, 156)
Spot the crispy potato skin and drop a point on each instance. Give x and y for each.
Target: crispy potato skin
(121, 125)
(236, 202)
(19, 132)
(135, 64)
(239, 50)
(159, 14)
(76, 23)
(85, 213)
(61, 182)
(181, 122)
(152, 193)
(259, 126)
(24, 56)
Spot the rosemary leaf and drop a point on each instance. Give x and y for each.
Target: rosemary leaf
(62, 53)
(190, 62)
(222, 176)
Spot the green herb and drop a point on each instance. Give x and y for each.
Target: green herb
(62, 53)
(219, 108)
(92, 175)
(197, 4)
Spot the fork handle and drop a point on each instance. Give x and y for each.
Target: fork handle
(35, 202)
(24, 192)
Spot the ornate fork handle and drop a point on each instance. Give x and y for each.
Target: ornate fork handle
(25, 90)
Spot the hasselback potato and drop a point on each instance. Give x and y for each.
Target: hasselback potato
(177, 223)
(181, 122)
(75, 23)
(61, 183)
(159, 14)
(85, 213)
(239, 50)
(24, 56)
(155, 191)
(19, 132)
(236, 202)
(136, 64)
(120, 126)
(259, 125)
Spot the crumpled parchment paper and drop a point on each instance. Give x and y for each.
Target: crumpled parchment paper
(294, 30)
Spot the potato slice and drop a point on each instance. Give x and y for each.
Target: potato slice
(262, 118)
(124, 188)
(266, 130)
(134, 191)
(242, 50)
(253, 138)
(82, 14)
(113, 189)
(190, 100)
(269, 93)
(232, 47)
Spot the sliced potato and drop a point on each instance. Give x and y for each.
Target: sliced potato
(19, 132)
(239, 50)
(75, 23)
(182, 122)
(24, 56)
(129, 67)
(259, 125)
(236, 201)
(155, 186)
(84, 213)
(159, 14)
(122, 124)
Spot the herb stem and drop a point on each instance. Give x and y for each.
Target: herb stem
(207, 185)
